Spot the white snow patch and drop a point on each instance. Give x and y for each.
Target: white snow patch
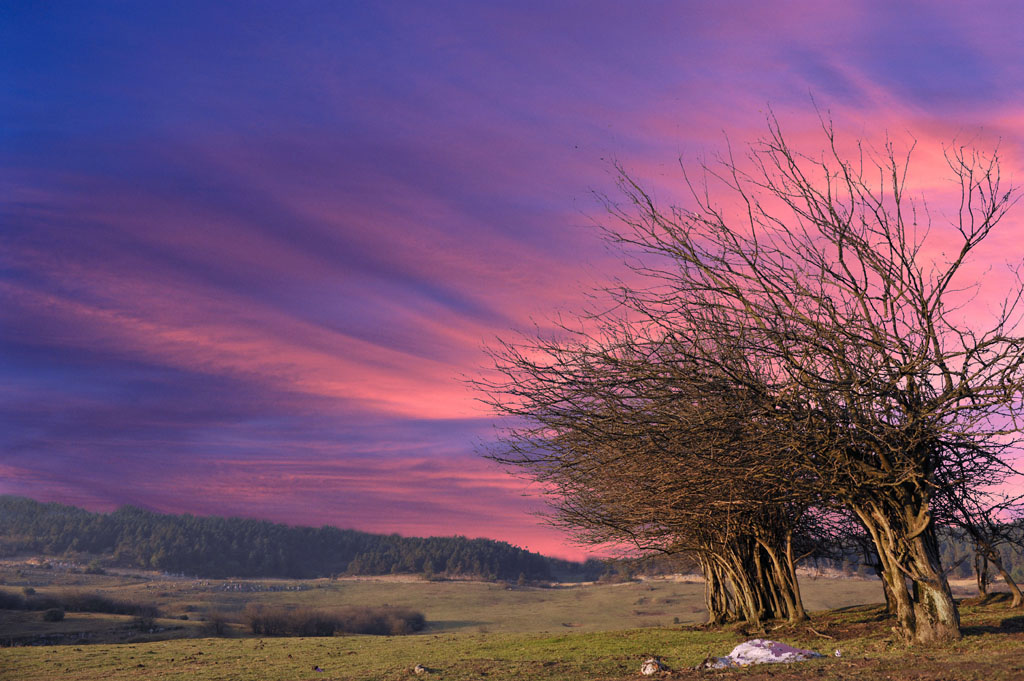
(761, 651)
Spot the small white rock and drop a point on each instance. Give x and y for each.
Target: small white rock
(652, 666)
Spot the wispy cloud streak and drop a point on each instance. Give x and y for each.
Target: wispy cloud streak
(246, 254)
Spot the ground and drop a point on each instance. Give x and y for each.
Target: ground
(489, 632)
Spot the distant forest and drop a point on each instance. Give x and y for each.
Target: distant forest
(216, 547)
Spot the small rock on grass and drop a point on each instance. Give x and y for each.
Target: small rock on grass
(652, 666)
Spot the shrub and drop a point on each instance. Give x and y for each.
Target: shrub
(216, 622)
(267, 621)
(95, 568)
(383, 621)
(146, 613)
(53, 615)
(309, 622)
(95, 602)
(75, 602)
(144, 621)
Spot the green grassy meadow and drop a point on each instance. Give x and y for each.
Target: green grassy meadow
(477, 631)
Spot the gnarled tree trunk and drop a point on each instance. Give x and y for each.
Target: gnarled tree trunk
(717, 598)
(981, 571)
(991, 555)
(907, 548)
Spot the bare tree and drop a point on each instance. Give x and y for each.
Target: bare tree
(636, 446)
(801, 315)
(823, 277)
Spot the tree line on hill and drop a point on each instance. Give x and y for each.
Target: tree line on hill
(217, 547)
(235, 547)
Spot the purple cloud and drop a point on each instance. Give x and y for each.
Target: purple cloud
(247, 253)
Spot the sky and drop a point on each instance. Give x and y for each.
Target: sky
(250, 252)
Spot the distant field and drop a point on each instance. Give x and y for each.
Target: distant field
(450, 607)
(990, 651)
(477, 632)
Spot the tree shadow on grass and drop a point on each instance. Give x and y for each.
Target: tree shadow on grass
(1010, 625)
(860, 614)
(993, 598)
(435, 626)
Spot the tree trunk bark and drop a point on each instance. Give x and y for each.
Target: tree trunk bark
(938, 618)
(981, 571)
(890, 597)
(745, 591)
(768, 592)
(893, 578)
(906, 543)
(801, 614)
(1018, 598)
(716, 596)
(789, 597)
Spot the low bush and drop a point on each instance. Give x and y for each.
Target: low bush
(216, 623)
(380, 621)
(309, 622)
(383, 621)
(95, 602)
(76, 602)
(144, 622)
(53, 615)
(267, 621)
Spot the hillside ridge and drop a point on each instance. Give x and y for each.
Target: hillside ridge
(219, 547)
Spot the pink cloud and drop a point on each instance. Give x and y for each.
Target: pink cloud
(337, 216)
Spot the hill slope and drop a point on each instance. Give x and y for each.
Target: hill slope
(238, 547)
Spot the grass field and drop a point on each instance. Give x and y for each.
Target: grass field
(450, 607)
(480, 631)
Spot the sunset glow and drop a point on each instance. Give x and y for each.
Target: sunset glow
(250, 254)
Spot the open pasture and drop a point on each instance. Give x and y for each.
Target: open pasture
(990, 651)
(477, 631)
(450, 607)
